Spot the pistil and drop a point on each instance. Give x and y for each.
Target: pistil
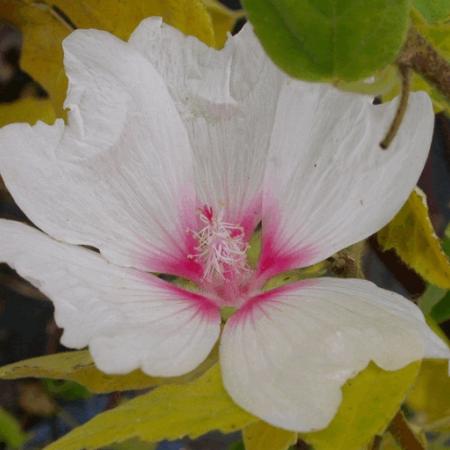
(221, 246)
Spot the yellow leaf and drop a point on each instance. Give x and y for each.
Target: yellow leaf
(79, 367)
(168, 412)
(223, 20)
(430, 396)
(122, 17)
(262, 436)
(27, 110)
(412, 236)
(370, 401)
(10, 430)
(45, 24)
(41, 55)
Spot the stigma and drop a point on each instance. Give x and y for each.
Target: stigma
(221, 246)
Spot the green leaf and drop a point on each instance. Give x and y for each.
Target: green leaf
(79, 367)
(65, 390)
(433, 10)
(435, 301)
(10, 431)
(168, 412)
(446, 241)
(262, 436)
(381, 82)
(441, 310)
(412, 236)
(430, 298)
(237, 446)
(330, 39)
(370, 401)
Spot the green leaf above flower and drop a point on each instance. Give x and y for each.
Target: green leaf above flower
(326, 40)
(433, 10)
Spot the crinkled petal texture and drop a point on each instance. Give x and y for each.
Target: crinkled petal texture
(119, 176)
(328, 183)
(128, 318)
(227, 101)
(287, 353)
(161, 125)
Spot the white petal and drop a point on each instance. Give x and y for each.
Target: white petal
(119, 176)
(286, 354)
(227, 100)
(328, 183)
(128, 318)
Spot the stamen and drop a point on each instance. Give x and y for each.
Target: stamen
(221, 248)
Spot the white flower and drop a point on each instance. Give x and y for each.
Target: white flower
(172, 154)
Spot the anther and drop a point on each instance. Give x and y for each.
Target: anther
(221, 246)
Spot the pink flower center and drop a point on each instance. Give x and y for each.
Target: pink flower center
(221, 247)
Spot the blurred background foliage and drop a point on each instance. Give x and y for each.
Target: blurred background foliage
(35, 412)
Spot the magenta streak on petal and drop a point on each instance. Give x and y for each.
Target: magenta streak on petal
(201, 304)
(256, 304)
(179, 265)
(276, 256)
(274, 261)
(174, 259)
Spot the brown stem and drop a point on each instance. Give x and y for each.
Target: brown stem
(376, 443)
(405, 73)
(403, 434)
(420, 55)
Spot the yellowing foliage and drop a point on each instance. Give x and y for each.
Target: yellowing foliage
(10, 431)
(28, 109)
(46, 23)
(370, 401)
(168, 412)
(79, 367)
(430, 396)
(412, 236)
(197, 403)
(223, 20)
(262, 436)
